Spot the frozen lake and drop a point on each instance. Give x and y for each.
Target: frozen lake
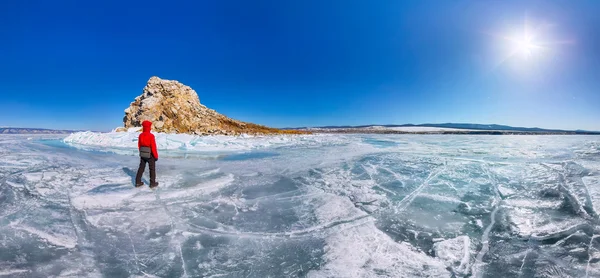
(305, 206)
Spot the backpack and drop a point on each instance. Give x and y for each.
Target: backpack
(145, 152)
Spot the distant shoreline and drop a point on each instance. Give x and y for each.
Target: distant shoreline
(446, 128)
(453, 132)
(33, 131)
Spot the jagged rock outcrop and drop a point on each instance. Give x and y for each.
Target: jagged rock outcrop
(175, 108)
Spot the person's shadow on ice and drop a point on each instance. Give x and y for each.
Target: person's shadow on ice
(131, 173)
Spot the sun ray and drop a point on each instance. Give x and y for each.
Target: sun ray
(527, 43)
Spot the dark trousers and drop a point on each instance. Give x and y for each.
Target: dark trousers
(151, 161)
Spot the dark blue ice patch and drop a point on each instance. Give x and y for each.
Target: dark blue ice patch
(380, 143)
(283, 185)
(249, 156)
(57, 143)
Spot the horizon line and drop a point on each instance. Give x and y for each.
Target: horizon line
(348, 126)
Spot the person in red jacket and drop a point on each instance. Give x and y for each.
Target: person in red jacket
(148, 154)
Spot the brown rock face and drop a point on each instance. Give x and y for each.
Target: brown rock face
(175, 108)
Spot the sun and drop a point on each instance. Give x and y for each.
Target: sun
(525, 46)
(525, 43)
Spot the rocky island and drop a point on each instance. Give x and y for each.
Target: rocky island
(175, 108)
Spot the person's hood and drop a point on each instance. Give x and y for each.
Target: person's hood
(147, 126)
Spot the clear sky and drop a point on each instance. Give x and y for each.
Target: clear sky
(79, 64)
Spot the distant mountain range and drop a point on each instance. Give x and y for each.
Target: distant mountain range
(487, 128)
(18, 130)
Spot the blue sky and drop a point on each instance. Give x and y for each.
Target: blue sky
(78, 64)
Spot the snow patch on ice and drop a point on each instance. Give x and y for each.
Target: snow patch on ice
(505, 191)
(456, 253)
(593, 185)
(54, 239)
(206, 187)
(365, 251)
(440, 198)
(9, 272)
(540, 226)
(529, 203)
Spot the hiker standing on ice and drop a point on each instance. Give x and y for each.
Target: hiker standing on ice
(148, 154)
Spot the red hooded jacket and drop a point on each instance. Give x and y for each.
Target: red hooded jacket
(146, 138)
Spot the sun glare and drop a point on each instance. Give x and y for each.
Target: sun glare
(524, 43)
(525, 46)
(528, 42)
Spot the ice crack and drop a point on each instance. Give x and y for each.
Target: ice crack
(590, 257)
(486, 233)
(402, 205)
(173, 230)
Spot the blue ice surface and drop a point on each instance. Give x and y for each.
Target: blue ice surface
(249, 156)
(370, 206)
(382, 143)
